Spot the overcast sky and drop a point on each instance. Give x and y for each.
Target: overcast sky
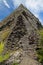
(35, 6)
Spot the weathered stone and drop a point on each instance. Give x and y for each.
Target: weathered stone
(23, 25)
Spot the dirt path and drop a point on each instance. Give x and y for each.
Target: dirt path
(29, 61)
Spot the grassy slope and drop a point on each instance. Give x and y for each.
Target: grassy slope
(3, 36)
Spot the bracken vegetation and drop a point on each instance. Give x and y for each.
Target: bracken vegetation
(40, 51)
(1, 47)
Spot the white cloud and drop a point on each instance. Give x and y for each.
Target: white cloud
(36, 6)
(5, 2)
(17, 2)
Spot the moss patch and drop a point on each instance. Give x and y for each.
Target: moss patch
(1, 47)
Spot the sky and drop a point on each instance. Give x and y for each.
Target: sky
(8, 6)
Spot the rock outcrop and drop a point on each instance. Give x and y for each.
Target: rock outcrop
(23, 35)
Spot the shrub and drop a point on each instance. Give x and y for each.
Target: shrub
(4, 57)
(40, 51)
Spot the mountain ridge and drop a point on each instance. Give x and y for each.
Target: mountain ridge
(21, 7)
(19, 32)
